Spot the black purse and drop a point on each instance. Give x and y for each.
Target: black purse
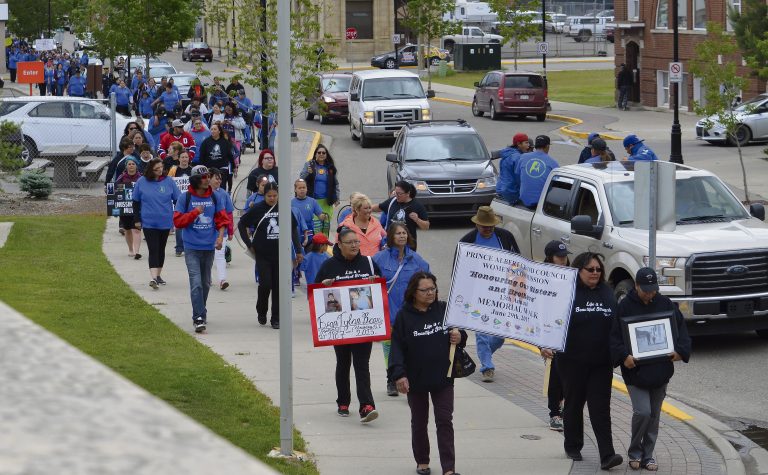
(463, 365)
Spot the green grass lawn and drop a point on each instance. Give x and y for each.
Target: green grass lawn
(56, 274)
(587, 87)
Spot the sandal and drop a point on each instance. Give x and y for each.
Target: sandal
(651, 465)
(634, 464)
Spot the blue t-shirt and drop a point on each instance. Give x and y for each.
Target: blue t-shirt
(122, 96)
(308, 208)
(201, 234)
(156, 198)
(321, 182)
(533, 168)
(492, 242)
(311, 264)
(253, 200)
(170, 99)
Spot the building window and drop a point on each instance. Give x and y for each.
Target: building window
(360, 17)
(664, 91)
(699, 15)
(633, 9)
(699, 93)
(663, 14)
(736, 5)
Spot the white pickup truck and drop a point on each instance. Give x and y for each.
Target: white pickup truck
(714, 265)
(470, 34)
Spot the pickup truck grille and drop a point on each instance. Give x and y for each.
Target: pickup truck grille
(729, 273)
(444, 187)
(398, 116)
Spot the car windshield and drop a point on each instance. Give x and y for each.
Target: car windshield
(336, 84)
(180, 81)
(198, 46)
(752, 103)
(434, 148)
(697, 199)
(160, 70)
(392, 89)
(523, 81)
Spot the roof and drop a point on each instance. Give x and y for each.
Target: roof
(385, 73)
(440, 127)
(619, 170)
(516, 73)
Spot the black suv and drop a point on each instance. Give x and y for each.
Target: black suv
(447, 162)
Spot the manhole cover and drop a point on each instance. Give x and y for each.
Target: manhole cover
(530, 437)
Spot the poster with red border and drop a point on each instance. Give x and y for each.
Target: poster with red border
(349, 311)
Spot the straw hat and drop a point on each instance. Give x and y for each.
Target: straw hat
(486, 217)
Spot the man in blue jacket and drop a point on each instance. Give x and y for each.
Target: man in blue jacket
(509, 182)
(637, 150)
(533, 168)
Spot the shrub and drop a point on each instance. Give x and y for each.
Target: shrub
(10, 147)
(36, 183)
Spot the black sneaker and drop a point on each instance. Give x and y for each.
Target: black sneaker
(368, 413)
(391, 389)
(178, 253)
(153, 284)
(137, 256)
(262, 319)
(275, 325)
(575, 456)
(343, 411)
(611, 461)
(199, 327)
(159, 280)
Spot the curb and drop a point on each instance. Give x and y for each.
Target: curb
(562, 118)
(682, 412)
(315, 140)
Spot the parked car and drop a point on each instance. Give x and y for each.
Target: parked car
(556, 22)
(448, 164)
(197, 50)
(381, 102)
(470, 34)
(753, 118)
(519, 93)
(157, 68)
(713, 265)
(582, 28)
(406, 56)
(51, 121)
(330, 100)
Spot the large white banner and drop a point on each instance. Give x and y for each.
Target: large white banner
(504, 294)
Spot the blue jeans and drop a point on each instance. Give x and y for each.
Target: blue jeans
(199, 264)
(486, 347)
(179, 242)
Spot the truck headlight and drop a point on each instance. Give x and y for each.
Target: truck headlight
(488, 182)
(419, 185)
(661, 264)
(368, 118)
(425, 114)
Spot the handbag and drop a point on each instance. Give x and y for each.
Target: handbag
(463, 365)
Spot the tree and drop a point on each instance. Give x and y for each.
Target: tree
(516, 21)
(425, 19)
(750, 26)
(29, 18)
(715, 65)
(216, 15)
(257, 48)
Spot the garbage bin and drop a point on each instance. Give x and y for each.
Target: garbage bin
(476, 57)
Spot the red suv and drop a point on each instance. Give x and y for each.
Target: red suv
(197, 50)
(511, 93)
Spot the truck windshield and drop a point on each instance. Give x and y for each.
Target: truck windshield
(698, 199)
(433, 148)
(383, 89)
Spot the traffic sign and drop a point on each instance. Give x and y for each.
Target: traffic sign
(542, 47)
(351, 33)
(675, 72)
(396, 39)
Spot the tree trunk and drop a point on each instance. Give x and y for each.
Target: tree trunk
(743, 173)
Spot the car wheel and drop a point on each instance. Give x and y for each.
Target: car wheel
(577, 39)
(365, 142)
(623, 289)
(743, 135)
(584, 35)
(352, 132)
(28, 151)
(309, 115)
(390, 63)
(475, 109)
(493, 114)
(323, 119)
(541, 117)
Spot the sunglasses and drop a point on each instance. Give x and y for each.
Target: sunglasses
(593, 270)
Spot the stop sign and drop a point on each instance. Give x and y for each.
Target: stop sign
(351, 33)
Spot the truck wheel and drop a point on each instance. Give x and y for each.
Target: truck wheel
(352, 132)
(623, 289)
(584, 35)
(476, 110)
(365, 142)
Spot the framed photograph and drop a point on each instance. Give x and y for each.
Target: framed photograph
(351, 311)
(650, 337)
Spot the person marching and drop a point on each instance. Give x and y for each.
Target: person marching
(127, 222)
(308, 208)
(182, 169)
(204, 220)
(220, 255)
(647, 383)
(315, 257)
(509, 182)
(368, 229)
(322, 181)
(403, 206)
(486, 233)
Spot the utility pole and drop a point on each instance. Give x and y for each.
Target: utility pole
(544, 35)
(264, 84)
(676, 153)
(234, 37)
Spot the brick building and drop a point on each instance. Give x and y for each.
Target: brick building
(644, 38)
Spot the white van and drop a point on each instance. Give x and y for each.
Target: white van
(381, 102)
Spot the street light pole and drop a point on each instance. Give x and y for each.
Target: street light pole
(676, 154)
(264, 84)
(544, 35)
(234, 37)
(50, 31)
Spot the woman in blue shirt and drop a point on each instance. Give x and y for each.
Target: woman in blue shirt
(322, 184)
(60, 76)
(123, 98)
(49, 84)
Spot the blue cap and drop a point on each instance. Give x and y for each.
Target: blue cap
(591, 136)
(631, 140)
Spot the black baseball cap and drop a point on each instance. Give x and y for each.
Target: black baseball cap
(556, 248)
(646, 279)
(541, 141)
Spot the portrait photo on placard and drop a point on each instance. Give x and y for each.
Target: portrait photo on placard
(332, 300)
(360, 298)
(651, 337)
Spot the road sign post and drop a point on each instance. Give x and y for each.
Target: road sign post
(542, 47)
(675, 72)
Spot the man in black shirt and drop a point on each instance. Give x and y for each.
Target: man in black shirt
(403, 207)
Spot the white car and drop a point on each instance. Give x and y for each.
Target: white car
(50, 121)
(753, 124)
